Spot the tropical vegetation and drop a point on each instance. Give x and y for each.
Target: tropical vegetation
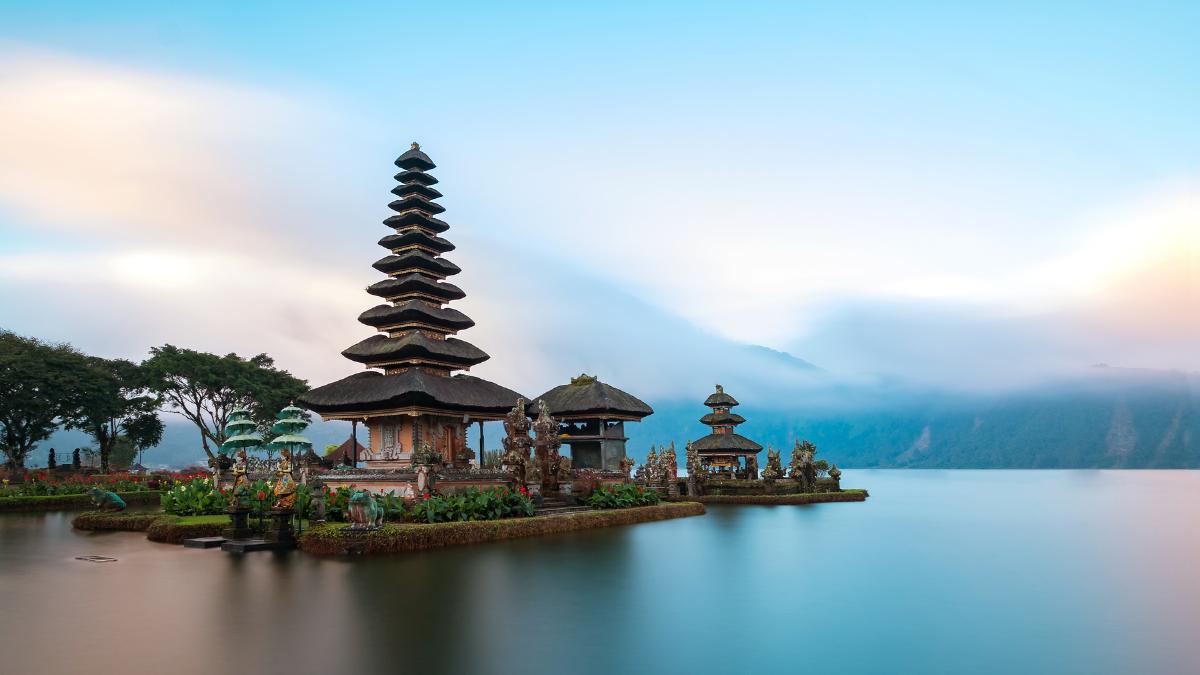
(622, 496)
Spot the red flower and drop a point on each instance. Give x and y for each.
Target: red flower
(261, 495)
(425, 496)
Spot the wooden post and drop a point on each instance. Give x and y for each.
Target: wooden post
(480, 444)
(354, 440)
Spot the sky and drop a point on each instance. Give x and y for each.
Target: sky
(964, 197)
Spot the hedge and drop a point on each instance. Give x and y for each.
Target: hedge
(336, 538)
(123, 522)
(74, 502)
(792, 499)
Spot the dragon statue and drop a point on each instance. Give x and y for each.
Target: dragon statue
(365, 511)
(105, 500)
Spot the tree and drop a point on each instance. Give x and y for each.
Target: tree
(112, 403)
(205, 388)
(35, 384)
(144, 433)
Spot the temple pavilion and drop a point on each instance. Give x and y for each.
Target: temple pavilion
(723, 451)
(592, 417)
(414, 397)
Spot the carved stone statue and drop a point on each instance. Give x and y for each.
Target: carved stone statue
(670, 470)
(652, 467)
(669, 463)
(752, 467)
(802, 467)
(424, 478)
(285, 483)
(516, 443)
(563, 470)
(696, 472)
(365, 511)
(836, 474)
(626, 465)
(546, 444)
(774, 470)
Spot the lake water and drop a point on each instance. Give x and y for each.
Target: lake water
(938, 572)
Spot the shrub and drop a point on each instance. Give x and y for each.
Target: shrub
(194, 498)
(622, 496)
(473, 504)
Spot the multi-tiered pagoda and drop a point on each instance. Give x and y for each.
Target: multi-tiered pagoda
(724, 452)
(412, 400)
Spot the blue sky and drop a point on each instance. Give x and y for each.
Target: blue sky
(917, 190)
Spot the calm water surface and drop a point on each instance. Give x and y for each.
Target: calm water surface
(939, 572)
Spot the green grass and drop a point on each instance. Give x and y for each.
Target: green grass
(202, 520)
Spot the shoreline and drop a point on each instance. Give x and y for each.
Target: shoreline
(794, 499)
(331, 539)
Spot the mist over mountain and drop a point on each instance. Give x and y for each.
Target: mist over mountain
(1107, 418)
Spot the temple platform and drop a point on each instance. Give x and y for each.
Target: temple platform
(249, 545)
(204, 542)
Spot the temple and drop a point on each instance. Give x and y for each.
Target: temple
(723, 452)
(592, 417)
(413, 399)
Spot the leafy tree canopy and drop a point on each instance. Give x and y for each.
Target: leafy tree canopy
(112, 400)
(204, 388)
(36, 383)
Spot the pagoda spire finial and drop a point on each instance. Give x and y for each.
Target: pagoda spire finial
(415, 145)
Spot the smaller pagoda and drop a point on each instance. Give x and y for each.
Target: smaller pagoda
(723, 452)
(592, 417)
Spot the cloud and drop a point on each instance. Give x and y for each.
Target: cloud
(231, 217)
(115, 154)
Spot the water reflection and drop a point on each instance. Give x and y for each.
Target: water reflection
(941, 571)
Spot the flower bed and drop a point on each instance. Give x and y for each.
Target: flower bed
(44, 484)
(337, 539)
(785, 499)
(72, 502)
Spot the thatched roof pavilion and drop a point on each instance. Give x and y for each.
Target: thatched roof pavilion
(592, 416)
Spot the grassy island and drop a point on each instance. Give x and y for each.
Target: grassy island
(158, 527)
(338, 539)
